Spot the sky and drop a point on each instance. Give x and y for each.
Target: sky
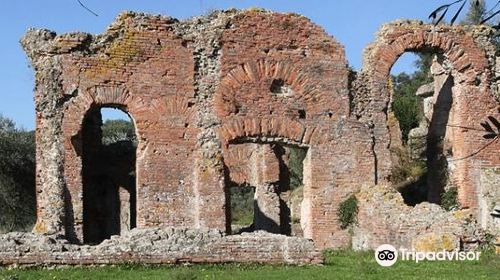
(352, 22)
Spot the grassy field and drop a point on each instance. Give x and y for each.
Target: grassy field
(339, 265)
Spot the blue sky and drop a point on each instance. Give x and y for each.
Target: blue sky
(351, 22)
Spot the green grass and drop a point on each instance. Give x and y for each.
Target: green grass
(339, 265)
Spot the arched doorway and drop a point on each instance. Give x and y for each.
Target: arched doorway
(108, 173)
(418, 119)
(265, 187)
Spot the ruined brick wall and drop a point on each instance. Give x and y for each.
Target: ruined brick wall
(288, 85)
(384, 218)
(471, 57)
(203, 92)
(193, 89)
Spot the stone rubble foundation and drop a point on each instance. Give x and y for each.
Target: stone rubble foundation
(158, 246)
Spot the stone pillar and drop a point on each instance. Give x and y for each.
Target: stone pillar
(52, 197)
(266, 176)
(267, 209)
(125, 219)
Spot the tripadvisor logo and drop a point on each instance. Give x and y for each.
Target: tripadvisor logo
(387, 255)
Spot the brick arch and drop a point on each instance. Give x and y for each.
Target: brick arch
(260, 74)
(471, 75)
(458, 47)
(75, 113)
(293, 131)
(116, 97)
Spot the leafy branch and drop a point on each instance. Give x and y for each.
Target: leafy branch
(490, 132)
(489, 127)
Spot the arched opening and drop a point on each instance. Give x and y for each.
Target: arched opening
(108, 174)
(264, 188)
(418, 117)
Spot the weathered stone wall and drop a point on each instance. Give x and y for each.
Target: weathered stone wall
(384, 218)
(203, 93)
(159, 246)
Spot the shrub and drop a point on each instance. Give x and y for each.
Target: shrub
(296, 166)
(406, 167)
(488, 244)
(17, 177)
(449, 199)
(409, 177)
(348, 211)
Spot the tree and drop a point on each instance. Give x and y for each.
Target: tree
(17, 177)
(406, 105)
(6, 125)
(476, 12)
(118, 130)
